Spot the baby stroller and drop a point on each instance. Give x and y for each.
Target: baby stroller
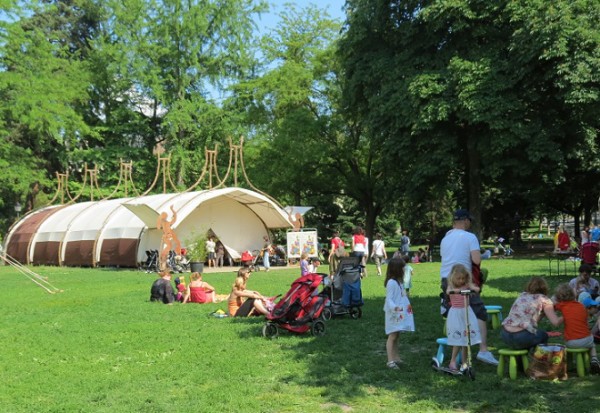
(345, 290)
(506, 249)
(174, 262)
(589, 253)
(151, 263)
(249, 260)
(299, 310)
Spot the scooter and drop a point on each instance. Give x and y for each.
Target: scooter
(466, 368)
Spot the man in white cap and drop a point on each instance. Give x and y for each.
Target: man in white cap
(459, 246)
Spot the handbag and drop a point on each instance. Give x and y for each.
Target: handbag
(340, 251)
(548, 362)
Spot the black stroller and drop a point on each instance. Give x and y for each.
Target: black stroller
(151, 263)
(177, 263)
(345, 290)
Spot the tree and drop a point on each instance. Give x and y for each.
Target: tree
(181, 56)
(473, 90)
(306, 151)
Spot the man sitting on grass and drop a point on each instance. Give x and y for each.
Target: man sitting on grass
(162, 290)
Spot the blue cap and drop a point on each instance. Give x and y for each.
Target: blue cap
(588, 302)
(461, 214)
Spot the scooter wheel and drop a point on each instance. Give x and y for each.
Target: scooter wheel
(471, 373)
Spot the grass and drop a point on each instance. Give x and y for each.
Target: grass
(100, 346)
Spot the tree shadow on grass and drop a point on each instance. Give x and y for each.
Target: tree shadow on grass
(348, 365)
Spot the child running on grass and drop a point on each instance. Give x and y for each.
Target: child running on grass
(398, 311)
(456, 323)
(577, 333)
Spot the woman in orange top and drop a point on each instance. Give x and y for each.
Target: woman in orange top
(577, 331)
(254, 303)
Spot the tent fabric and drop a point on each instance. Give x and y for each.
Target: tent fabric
(118, 232)
(22, 233)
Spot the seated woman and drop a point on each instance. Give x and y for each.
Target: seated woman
(584, 285)
(520, 328)
(254, 303)
(199, 291)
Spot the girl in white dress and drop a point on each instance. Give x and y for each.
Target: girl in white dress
(398, 311)
(456, 323)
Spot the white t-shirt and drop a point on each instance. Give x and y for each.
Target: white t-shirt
(456, 248)
(210, 246)
(379, 248)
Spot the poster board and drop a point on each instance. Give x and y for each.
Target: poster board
(302, 241)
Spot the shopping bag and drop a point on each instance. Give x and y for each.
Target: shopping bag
(548, 362)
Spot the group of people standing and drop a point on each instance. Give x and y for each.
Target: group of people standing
(359, 248)
(215, 251)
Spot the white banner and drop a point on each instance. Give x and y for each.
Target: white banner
(302, 241)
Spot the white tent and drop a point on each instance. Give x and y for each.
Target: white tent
(117, 232)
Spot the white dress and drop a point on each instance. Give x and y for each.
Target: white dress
(456, 323)
(397, 320)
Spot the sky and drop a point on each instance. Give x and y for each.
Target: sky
(269, 20)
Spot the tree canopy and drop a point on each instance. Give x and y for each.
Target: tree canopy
(406, 110)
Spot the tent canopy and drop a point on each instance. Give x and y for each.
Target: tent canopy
(119, 231)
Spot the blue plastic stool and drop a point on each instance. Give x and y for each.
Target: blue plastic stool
(442, 343)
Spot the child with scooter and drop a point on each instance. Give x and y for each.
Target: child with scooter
(461, 324)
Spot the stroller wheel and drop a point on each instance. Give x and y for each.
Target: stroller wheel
(270, 330)
(355, 313)
(326, 314)
(318, 328)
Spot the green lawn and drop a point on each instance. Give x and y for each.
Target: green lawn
(100, 346)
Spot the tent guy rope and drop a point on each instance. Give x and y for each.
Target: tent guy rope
(31, 275)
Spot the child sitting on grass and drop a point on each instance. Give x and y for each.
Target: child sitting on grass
(577, 333)
(180, 285)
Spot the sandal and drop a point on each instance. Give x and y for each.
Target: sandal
(393, 365)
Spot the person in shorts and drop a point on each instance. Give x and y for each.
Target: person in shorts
(459, 246)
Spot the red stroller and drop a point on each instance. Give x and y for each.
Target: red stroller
(299, 310)
(589, 252)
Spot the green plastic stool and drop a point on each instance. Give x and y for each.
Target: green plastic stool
(495, 314)
(495, 311)
(582, 359)
(512, 361)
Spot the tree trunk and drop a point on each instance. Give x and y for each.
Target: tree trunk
(473, 183)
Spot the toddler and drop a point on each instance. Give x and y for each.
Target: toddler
(304, 264)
